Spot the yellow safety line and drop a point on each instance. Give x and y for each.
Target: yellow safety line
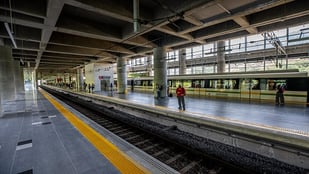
(120, 160)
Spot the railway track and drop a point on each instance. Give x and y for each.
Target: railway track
(160, 142)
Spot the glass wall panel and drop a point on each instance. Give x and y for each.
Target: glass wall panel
(188, 53)
(298, 35)
(208, 50)
(209, 69)
(172, 56)
(237, 45)
(255, 42)
(197, 52)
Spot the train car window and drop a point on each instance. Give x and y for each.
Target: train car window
(169, 83)
(202, 84)
(297, 84)
(138, 82)
(207, 84)
(231, 84)
(273, 83)
(196, 83)
(211, 84)
(255, 83)
(187, 84)
(245, 84)
(263, 84)
(236, 84)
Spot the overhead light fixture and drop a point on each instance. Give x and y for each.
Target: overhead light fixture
(10, 34)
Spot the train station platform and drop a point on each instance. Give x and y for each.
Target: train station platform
(283, 118)
(39, 134)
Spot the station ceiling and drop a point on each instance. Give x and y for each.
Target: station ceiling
(56, 35)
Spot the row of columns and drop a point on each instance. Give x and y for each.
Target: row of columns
(11, 77)
(160, 68)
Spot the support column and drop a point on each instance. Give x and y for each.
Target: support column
(34, 79)
(149, 65)
(160, 77)
(182, 62)
(7, 85)
(18, 77)
(221, 56)
(80, 80)
(121, 75)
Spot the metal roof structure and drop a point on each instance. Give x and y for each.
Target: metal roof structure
(65, 34)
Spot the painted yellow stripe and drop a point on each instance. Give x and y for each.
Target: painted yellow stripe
(120, 160)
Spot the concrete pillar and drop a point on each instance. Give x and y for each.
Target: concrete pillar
(34, 79)
(80, 79)
(149, 65)
(121, 75)
(18, 77)
(160, 68)
(182, 62)
(7, 82)
(221, 56)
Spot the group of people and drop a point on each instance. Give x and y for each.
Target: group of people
(90, 87)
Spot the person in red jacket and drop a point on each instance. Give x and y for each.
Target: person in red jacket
(181, 92)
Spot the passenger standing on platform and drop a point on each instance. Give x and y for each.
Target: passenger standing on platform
(89, 87)
(92, 87)
(111, 86)
(181, 92)
(85, 86)
(279, 95)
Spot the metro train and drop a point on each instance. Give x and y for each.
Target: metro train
(252, 86)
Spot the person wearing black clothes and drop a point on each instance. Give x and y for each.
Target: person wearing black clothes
(279, 95)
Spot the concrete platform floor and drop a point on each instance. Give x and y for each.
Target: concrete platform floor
(285, 117)
(36, 138)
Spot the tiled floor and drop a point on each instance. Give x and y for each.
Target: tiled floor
(34, 137)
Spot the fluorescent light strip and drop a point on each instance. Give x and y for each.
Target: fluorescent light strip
(10, 34)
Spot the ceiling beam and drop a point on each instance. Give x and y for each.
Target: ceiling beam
(77, 51)
(95, 9)
(263, 23)
(231, 17)
(169, 30)
(22, 12)
(63, 60)
(77, 41)
(243, 22)
(54, 8)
